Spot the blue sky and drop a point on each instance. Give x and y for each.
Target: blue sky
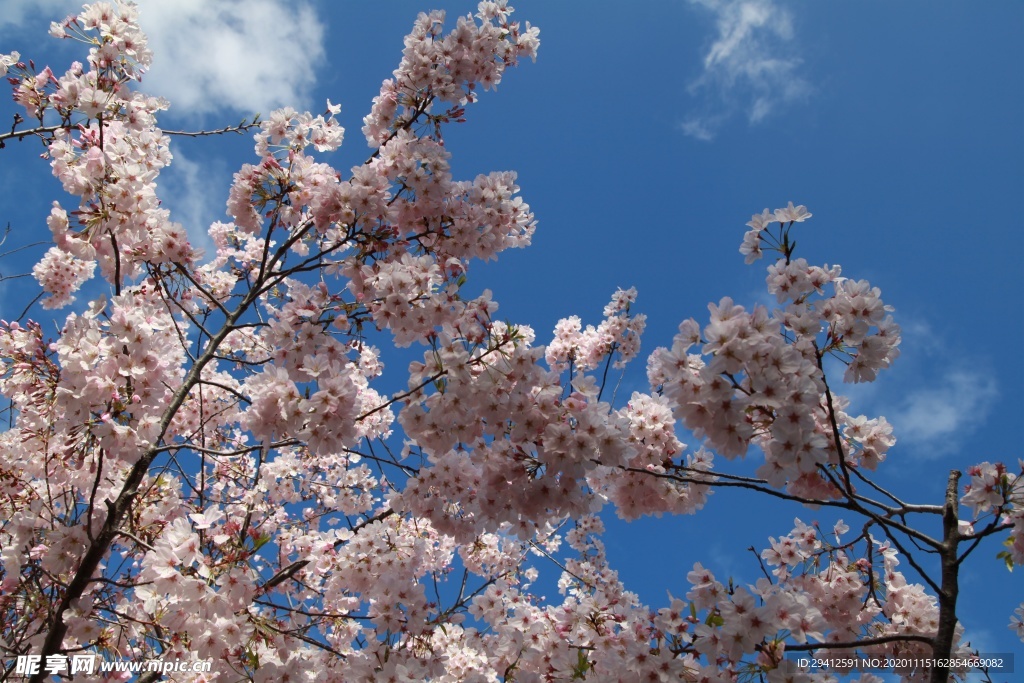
(645, 136)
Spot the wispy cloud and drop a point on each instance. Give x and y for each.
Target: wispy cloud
(243, 56)
(937, 418)
(239, 56)
(189, 192)
(702, 130)
(17, 13)
(933, 401)
(752, 66)
(941, 409)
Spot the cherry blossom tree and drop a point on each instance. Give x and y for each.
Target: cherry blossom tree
(201, 465)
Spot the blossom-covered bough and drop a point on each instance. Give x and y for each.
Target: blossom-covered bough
(200, 466)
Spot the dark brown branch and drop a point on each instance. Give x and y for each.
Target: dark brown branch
(242, 127)
(852, 645)
(376, 518)
(976, 537)
(836, 437)
(950, 590)
(29, 132)
(119, 508)
(40, 131)
(283, 575)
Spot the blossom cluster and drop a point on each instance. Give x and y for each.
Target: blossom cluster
(817, 593)
(641, 488)
(448, 67)
(586, 349)
(758, 379)
(202, 461)
(993, 488)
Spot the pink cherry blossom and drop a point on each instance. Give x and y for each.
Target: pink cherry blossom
(207, 460)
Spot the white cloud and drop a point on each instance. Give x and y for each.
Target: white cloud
(189, 192)
(16, 13)
(751, 65)
(935, 419)
(245, 56)
(933, 401)
(702, 130)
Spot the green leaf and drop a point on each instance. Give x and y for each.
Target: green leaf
(582, 665)
(1007, 558)
(260, 541)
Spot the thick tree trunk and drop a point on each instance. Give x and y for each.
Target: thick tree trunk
(943, 644)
